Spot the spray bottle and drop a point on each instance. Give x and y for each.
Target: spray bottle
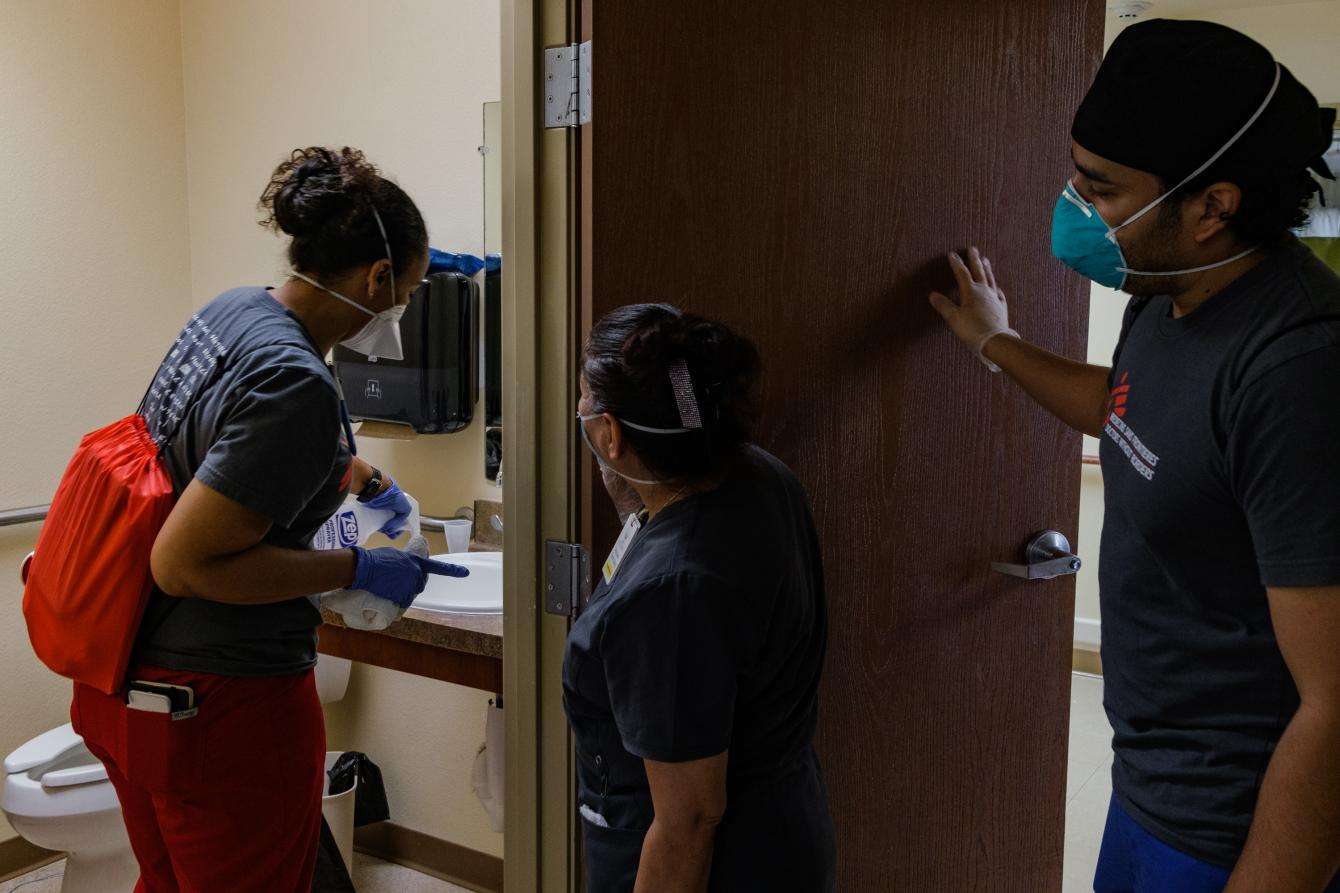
(352, 526)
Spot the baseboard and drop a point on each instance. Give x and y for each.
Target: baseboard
(442, 859)
(1088, 634)
(19, 857)
(1082, 660)
(1088, 640)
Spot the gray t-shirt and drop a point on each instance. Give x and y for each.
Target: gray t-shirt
(259, 421)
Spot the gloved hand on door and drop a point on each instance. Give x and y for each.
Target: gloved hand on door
(981, 312)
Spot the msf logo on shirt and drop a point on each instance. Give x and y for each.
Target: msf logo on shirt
(1142, 458)
(1116, 403)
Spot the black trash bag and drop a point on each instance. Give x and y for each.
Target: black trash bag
(370, 802)
(332, 875)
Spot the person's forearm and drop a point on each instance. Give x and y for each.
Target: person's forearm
(1294, 844)
(264, 574)
(676, 860)
(1074, 392)
(362, 473)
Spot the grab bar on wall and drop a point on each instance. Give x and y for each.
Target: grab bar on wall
(24, 516)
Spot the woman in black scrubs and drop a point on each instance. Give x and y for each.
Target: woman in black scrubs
(691, 679)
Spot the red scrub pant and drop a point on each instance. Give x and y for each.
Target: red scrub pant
(227, 801)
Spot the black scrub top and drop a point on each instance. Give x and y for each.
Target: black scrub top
(711, 637)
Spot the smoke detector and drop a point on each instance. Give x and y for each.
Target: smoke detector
(1128, 10)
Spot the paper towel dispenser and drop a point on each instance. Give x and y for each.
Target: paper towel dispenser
(433, 389)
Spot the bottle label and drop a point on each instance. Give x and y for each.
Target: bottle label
(339, 532)
(348, 524)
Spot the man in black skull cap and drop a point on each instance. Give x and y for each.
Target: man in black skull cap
(1219, 423)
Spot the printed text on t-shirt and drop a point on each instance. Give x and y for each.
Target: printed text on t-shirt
(1142, 458)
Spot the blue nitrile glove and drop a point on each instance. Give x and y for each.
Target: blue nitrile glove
(398, 576)
(392, 499)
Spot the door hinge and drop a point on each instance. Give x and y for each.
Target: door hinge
(567, 576)
(567, 85)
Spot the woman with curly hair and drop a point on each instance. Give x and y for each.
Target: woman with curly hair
(226, 795)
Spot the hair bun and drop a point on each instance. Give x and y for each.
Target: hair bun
(317, 188)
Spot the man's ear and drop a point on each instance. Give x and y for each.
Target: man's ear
(1218, 204)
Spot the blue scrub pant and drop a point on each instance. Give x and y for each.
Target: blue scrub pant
(1134, 861)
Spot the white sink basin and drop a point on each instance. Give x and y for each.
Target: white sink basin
(479, 593)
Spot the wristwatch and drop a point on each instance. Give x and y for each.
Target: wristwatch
(372, 488)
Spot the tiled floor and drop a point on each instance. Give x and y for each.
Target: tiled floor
(370, 876)
(1089, 784)
(44, 880)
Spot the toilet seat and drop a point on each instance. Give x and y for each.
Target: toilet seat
(55, 775)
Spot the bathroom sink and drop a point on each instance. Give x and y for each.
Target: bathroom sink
(479, 593)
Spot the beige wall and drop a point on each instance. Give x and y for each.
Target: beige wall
(94, 258)
(1303, 36)
(404, 80)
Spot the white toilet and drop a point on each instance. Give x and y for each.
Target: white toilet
(57, 796)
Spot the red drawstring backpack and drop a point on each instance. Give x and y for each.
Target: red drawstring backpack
(89, 580)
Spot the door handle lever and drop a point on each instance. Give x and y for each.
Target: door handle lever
(1047, 556)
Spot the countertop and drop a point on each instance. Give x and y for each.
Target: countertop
(479, 634)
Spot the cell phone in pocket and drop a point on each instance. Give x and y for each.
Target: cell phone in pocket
(145, 695)
(148, 701)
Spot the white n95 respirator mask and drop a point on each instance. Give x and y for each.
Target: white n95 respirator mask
(380, 338)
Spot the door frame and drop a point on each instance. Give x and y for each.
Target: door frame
(541, 313)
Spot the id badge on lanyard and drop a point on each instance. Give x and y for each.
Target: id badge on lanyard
(630, 531)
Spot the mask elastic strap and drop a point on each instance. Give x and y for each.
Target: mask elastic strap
(1213, 158)
(1222, 263)
(649, 430)
(387, 244)
(334, 294)
(600, 460)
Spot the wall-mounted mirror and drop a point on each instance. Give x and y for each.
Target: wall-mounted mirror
(491, 150)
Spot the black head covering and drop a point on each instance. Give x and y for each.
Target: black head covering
(1170, 93)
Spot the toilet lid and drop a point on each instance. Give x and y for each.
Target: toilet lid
(47, 748)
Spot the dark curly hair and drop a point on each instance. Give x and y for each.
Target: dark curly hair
(324, 198)
(626, 363)
(1274, 202)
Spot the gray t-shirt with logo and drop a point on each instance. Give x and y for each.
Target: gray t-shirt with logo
(257, 418)
(1221, 472)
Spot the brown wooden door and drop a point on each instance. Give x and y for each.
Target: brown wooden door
(799, 170)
